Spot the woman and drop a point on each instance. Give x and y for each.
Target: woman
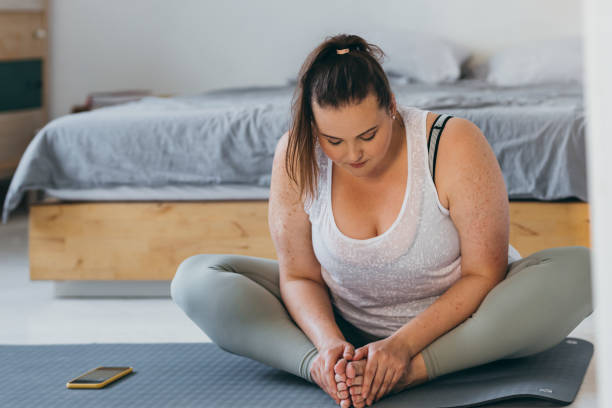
(393, 259)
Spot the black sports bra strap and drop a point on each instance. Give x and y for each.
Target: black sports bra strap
(434, 139)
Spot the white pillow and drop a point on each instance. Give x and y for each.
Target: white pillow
(412, 56)
(419, 56)
(558, 61)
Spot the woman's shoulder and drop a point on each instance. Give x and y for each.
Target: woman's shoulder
(462, 142)
(453, 130)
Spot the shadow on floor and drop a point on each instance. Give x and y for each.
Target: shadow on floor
(22, 208)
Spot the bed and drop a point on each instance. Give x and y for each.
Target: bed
(129, 191)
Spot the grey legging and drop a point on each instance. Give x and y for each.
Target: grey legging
(236, 301)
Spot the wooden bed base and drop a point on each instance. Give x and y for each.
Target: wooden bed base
(148, 240)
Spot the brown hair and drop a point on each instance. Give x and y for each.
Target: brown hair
(332, 80)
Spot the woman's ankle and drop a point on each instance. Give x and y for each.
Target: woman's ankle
(418, 370)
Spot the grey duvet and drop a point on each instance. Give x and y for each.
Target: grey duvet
(228, 136)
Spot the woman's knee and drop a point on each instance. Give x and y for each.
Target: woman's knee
(194, 276)
(575, 261)
(583, 270)
(569, 272)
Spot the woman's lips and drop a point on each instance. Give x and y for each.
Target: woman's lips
(359, 164)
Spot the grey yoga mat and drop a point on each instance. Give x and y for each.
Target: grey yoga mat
(203, 375)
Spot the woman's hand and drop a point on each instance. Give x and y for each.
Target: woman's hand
(322, 369)
(387, 361)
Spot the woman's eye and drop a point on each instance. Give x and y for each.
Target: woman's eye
(367, 140)
(371, 137)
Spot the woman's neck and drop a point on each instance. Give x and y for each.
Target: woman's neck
(393, 158)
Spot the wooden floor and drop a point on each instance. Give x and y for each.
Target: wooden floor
(539, 225)
(147, 241)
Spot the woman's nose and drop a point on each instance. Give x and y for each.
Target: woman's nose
(355, 154)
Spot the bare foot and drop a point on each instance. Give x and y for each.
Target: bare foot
(343, 390)
(354, 379)
(415, 375)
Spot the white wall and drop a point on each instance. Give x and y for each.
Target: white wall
(189, 46)
(598, 97)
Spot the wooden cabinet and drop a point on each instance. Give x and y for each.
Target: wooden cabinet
(23, 77)
(148, 240)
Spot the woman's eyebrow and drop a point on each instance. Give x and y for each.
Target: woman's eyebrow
(361, 134)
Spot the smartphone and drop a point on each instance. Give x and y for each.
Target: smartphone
(98, 377)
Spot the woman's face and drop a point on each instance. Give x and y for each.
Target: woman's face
(352, 134)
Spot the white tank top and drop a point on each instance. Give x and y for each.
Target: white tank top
(381, 283)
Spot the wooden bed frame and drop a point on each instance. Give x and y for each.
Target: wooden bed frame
(148, 240)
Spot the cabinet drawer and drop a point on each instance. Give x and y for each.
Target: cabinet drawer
(20, 84)
(16, 131)
(22, 35)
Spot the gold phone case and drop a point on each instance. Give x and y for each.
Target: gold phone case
(98, 385)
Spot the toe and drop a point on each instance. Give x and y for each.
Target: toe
(340, 378)
(359, 367)
(345, 403)
(350, 370)
(356, 390)
(355, 368)
(356, 381)
(340, 367)
(342, 386)
(358, 401)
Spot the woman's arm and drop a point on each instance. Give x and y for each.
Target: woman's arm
(469, 174)
(309, 305)
(303, 290)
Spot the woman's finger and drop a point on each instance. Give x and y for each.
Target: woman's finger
(382, 391)
(361, 353)
(330, 382)
(368, 376)
(376, 383)
(398, 375)
(320, 379)
(333, 387)
(349, 351)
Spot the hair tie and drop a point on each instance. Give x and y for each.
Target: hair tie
(342, 51)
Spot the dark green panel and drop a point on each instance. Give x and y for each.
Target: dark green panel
(20, 84)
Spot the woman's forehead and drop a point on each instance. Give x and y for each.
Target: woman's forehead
(349, 119)
(369, 102)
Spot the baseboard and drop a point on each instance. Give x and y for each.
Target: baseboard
(126, 288)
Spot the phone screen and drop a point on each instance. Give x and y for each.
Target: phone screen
(98, 375)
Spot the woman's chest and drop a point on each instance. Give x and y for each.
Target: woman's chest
(366, 211)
